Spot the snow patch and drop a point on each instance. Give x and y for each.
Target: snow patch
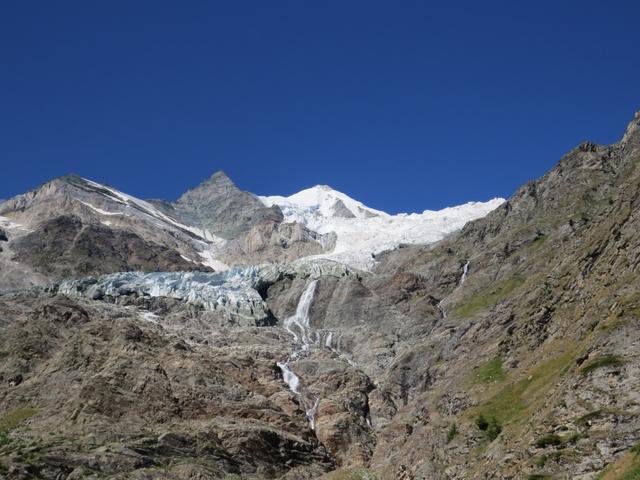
(319, 201)
(148, 209)
(99, 210)
(371, 231)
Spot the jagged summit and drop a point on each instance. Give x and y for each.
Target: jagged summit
(212, 186)
(219, 206)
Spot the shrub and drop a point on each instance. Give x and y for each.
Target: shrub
(482, 423)
(453, 431)
(548, 440)
(494, 429)
(491, 427)
(604, 361)
(573, 438)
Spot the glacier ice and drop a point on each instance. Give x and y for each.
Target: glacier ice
(367, 232)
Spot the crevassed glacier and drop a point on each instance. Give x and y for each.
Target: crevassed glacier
(233, 292)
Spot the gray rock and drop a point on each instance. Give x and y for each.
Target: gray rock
(222, 208)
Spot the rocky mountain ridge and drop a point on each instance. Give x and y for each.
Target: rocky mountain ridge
(507, 349)
(74, 226)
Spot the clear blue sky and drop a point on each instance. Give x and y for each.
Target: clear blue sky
(404, 105)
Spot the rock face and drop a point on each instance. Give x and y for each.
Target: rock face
(253, 232)
(65, 246)
(507, 350)
(219, 206)
(531, 367)
(71, 226)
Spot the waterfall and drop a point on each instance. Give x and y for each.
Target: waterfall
(311, 413)
(298, 324)
(465, 269)
(290, 378)
(327, 340)
(303, 336)
(440, 305)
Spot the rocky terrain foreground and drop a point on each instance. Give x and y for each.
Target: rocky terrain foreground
(216, 337)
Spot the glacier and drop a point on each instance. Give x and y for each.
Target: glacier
(363, 232)
(233, 292)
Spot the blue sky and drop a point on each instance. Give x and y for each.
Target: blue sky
(403, 105)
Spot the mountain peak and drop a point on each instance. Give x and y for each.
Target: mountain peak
(220, 175)
(219, 179)
(218, 205)
(212, 186)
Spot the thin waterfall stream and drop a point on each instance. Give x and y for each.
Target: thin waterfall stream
(304, 338)
(463, 277)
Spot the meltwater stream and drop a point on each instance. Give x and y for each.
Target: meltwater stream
(304, 337)
(463, 277)
(465, 270)
(298, 326)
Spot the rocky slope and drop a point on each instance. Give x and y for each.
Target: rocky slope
(509, 349)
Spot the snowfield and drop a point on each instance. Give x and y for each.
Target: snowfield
(362, 231)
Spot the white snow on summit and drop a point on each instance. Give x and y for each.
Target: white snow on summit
(365, 231)
(319, 202)
(361, 231)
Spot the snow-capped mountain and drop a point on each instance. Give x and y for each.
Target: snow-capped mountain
(119, 332)
(318, 202)
(363, 231)
(214, 226)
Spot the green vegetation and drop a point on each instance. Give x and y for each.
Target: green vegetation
(514, 401)
(586, 418)
(488, 297)
(631, 305)
(490, 372)
(538, 476)
(548, 440)
(491, 427)
(572, 438)
(552, 439)
(10, 421)
(626, 468)
(543, 459)
(633, 474)
(538, 242)
(604, 361)
(452, 432)
(13, 418)
(627, 473)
